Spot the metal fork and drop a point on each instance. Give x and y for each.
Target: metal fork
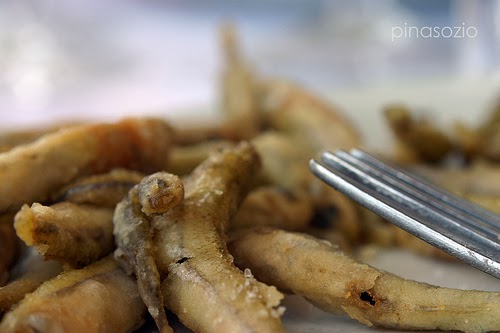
(440, 218)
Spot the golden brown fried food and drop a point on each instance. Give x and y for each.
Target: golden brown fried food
(417, 138)
(140, 144)
(274, 206)
(313, 122)
(206, 291)
(335, 282)
(101, 190)
(76, 235)
(27, 275)
(155, 194)
(9, 246)
(240, 105)
(97, 298)
(285, 163)
(184, 159)
(158, 193)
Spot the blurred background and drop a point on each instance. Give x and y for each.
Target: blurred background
(104, 59)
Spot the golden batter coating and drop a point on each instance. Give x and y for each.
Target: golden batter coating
(202, 286)
(32, 172)
(76, 235)
(97, 298)
(240, 108)
(335, 282)
(155, 194)
(274, 206)
(313, 122)
(285, 163)
(418, 139)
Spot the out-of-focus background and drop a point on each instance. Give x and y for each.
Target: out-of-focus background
(105, 59)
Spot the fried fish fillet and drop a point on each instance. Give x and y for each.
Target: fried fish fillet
(335, 282)
(32, 172)
(202, 286)
(155, 194)
(274, 206)
(284, 161)
(285, 164)
(312, 121)
(97, 298)
(76, 235)
(240, 104)
(418, 139)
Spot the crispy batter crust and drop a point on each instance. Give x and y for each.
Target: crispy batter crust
(31, 172)
(206, 291)
(274, 206)
(418, 139)
(242, 119)
(285, 163)
(73, 234)
(315, 123)
(335, 282)
(155, 194)
(97, 298)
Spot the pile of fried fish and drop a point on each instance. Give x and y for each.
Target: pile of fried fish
(104, 224)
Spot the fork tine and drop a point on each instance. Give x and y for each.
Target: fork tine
(410, 215)
(420, 210)
(389, 177)
(490, 219)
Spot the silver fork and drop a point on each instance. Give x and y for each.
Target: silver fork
(440, 218)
